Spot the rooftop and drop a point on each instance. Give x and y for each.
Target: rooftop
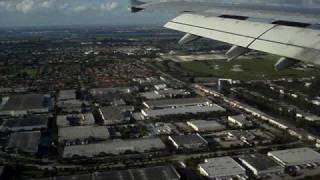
(149, 173)
(75, 119)
(67, 95)
(25, 122)
(204, 125)
(26, 102)
(296, 156)
(183, 140)
(222, 167)
(113, 147)
(182, 110)
(83, 132)
(260, 162)
(25, 141)
(175, 102)
(114, 114)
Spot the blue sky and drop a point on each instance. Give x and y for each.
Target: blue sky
(89, 12)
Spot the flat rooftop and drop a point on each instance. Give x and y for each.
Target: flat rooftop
(260, 162)
(25, 122)
(66, 95)
(203, 125)
(26, 102)
(83, 132)
(296, 156)
(149, 173)
(75, 119)
(222, 167)
(189, 139)
(182, 110)
(114, 114)
(113, 147)
(25, 141)
(176, 102)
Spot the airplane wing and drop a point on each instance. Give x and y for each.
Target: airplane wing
(294, 38)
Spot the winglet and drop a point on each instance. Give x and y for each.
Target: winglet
(136, 6)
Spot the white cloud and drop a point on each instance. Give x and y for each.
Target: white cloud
(25, 6)
(80, 8)
(46, 4)
(109, 6)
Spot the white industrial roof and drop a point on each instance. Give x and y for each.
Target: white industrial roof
(295, 156)
(222, 167)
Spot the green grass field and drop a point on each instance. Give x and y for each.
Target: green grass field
(252, 69)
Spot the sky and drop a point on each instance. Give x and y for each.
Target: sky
(93, 12)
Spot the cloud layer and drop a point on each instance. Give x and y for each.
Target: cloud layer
(53, 12)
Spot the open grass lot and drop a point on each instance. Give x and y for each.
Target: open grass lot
(241, 69)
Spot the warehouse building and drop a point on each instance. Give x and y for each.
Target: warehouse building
(157, 113)
(294, 157)
(72, 105)
(148, 173)
(191, 142)
(25, 123)
(65, 95)
(204, 126)
(221, 168)
(240, 120)
(166, 93)
(115, 114)
(75, 120)
(114, 147)
(27, 142)
(80, 134)
(18, 105)
(261, 165)
(173, 103)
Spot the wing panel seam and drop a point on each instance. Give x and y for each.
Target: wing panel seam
(255, 38)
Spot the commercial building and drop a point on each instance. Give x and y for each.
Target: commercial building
(297, 156)
(114, 147)
(72, 105)
(148, 173)
(156, 113)
(239, 120)
(115, 115)
(191, 141)
(75, 120)
(166, 93)
(25, 141)
(222, 167)
(25, 123)
(261, 165)
(172, 103)
(80, 134)
(66, 95)
(161, 128)
(18, 105)
(203, 125)
(103, 91)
